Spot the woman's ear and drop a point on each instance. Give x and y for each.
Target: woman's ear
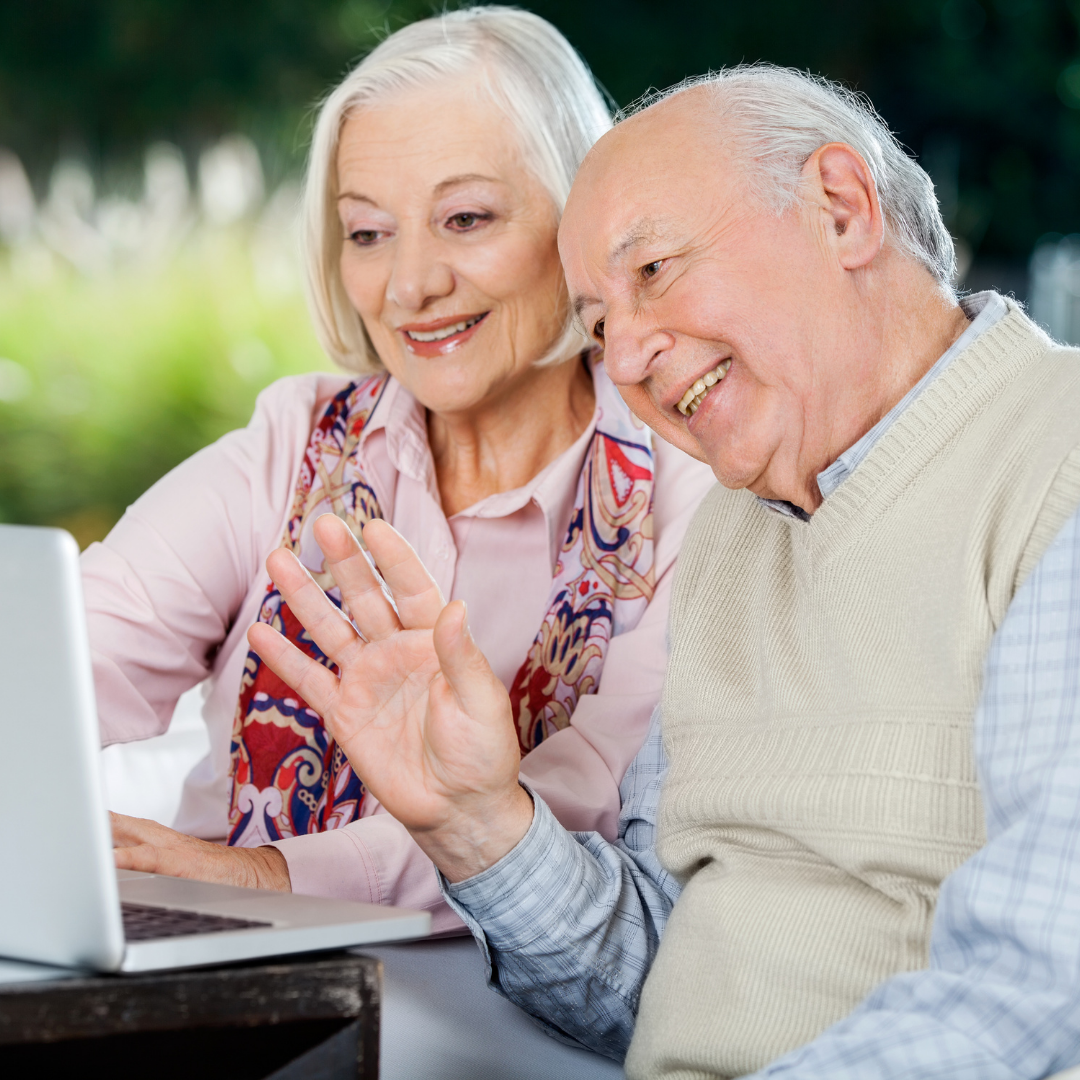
(840, 182)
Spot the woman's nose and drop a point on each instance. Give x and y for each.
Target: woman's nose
(419, 274)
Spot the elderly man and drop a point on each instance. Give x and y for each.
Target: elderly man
(872, 714)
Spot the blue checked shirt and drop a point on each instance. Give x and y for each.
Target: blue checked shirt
(570, 923)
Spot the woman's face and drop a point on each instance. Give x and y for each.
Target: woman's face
(450, 253)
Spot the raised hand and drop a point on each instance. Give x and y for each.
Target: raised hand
(417, 709)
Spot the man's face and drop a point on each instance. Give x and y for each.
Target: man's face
(691, 283)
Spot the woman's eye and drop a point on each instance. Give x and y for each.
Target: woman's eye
(465, 221)
(364, 237)
(652, 269)
(598, 330)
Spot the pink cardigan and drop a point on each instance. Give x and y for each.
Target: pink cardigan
(171, 592)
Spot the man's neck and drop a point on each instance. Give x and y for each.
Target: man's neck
(895, 337)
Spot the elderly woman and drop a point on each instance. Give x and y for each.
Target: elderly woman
(476, 422)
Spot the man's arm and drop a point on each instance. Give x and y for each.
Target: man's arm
(568, 923)
(429, 727)
(1001, 998)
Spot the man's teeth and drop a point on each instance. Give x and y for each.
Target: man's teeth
(443, 332)
(693, 397)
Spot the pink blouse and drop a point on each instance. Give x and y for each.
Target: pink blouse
(171, 592)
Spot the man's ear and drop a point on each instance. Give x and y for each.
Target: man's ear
(840, 183)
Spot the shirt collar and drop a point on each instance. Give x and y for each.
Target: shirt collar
(983, 309)
(403, 420)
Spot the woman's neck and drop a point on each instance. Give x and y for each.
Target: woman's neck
(504, 444)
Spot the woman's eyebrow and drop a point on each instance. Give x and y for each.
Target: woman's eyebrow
(440, 187)
(465, 178)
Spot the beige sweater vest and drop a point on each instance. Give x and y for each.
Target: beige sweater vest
(819, 704)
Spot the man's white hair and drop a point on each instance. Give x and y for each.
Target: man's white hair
(530, 71)
(777, 117)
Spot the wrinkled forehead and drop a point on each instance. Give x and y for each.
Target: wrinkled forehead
(612, 208)
(644, 180)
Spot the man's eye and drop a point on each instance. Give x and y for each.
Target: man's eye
(598, 330)
(652, 269)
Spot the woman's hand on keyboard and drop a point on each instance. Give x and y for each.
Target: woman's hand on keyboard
(139, 844)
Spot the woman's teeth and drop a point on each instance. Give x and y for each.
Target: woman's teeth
(443, 332)
(693, 397)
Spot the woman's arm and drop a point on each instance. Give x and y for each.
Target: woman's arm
(164, 588)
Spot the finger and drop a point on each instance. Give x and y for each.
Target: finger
(480, 694)
(120, 829)
(130, 831)
(316, 684)
(142, 857)
(361, 590)
(190, 861)
(418, 598)
(328, 626)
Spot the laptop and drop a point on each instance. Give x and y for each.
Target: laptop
(62, 901)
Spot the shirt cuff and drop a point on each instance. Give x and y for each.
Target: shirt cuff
(331, 864)
(522, 896)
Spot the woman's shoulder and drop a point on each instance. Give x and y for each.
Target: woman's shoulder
(301, 397)
(261, 459)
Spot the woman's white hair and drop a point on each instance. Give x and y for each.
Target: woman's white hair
(777, 117)
(531, 72)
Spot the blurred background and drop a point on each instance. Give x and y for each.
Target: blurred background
(150, 152)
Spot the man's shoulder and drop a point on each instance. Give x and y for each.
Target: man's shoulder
(1049, 379)
(1059, 368)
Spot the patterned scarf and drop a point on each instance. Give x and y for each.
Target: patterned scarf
(289, 777)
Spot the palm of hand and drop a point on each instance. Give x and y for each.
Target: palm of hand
(407, 734)
(416, 708)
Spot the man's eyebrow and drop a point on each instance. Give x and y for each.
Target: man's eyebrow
(581, 303)
(639, 234)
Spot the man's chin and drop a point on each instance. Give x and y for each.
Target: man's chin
(730, 473)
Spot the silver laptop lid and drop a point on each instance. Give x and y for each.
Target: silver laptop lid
(58, 892)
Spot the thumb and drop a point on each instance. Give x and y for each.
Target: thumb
(480, 694)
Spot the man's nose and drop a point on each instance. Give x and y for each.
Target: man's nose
(419, 274)
(632, 350)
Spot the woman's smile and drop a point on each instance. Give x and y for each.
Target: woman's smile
(441, 336)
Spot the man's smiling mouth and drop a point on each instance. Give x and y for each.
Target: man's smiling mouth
(693, 397)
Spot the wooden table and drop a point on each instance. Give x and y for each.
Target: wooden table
(312, 1017)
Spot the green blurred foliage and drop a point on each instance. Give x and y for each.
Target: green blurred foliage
(987, 91)
(103, 78)
(130, 373)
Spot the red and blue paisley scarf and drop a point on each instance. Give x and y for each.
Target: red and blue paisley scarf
(289, 777)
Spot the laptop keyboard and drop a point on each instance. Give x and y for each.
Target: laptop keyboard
(142, 922)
